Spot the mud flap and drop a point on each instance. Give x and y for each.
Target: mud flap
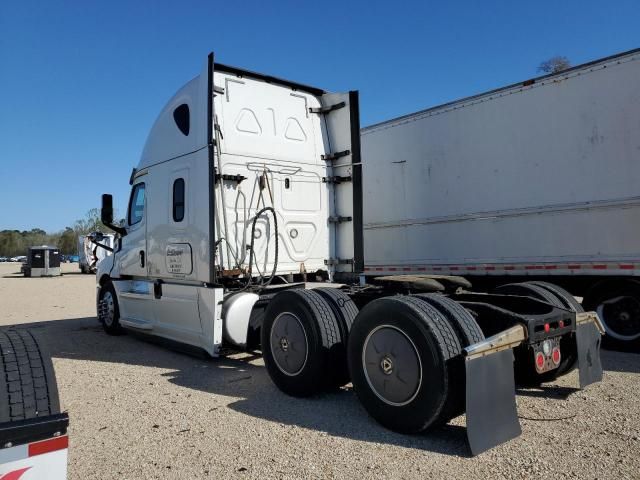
(492, 417)
(588, 340)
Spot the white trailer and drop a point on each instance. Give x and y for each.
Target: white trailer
(92, 248)
(245, 212)
(537, 180)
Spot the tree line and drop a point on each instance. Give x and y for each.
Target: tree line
(16, 242)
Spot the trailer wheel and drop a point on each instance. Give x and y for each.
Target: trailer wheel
(468, 332)
(524, 368)
(27, 380)
(108, 309)
(618, 306)
(401, 351)
(346, 312)
(299, 337)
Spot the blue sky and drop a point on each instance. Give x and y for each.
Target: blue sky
(82, 82)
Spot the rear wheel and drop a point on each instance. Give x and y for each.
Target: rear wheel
(563, 295)
(346, 312)
(468, 332)
(618, 306)
(400, 354)
(299, 336)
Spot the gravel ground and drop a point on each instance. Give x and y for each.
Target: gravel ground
(141, 411)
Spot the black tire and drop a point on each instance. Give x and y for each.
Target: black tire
(527, 289)
(467, 329)
(563, 295)
(304, 319)
(618, 306)
(468, 332)
(344, 307)
(346, 312)
(27, 381)
(108, 310)
(415, 340)
(524, 367)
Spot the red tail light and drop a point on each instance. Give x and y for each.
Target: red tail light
(539, 360)
(547, 328)
(555, 356)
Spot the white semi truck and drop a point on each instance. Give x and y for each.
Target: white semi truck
(535, 181)
(92, 248)
(244, 230)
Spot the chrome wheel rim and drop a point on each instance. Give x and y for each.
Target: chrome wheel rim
(392, 365)
(108, 309)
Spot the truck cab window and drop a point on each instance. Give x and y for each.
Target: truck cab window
(178, 200)
(136, 204)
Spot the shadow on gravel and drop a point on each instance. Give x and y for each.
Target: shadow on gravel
(338, 414)
(614, 361)
(547, 391)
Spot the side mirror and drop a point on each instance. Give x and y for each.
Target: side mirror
(106, 213)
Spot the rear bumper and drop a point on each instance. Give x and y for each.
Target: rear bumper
(492, 417)
(35, 449)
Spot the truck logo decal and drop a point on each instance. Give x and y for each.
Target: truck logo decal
(15, 475)
(178, 259)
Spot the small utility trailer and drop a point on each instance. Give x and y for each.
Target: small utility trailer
(244, 229)
(42, 261)
(33, 431)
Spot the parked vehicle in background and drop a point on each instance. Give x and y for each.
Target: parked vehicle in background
(4, 259)
(42, 261)
(536, 181)
(19, 258)
(248, 187)
(92, 248)
(73, 258)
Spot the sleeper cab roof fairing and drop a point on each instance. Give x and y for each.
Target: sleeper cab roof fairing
(167, 139)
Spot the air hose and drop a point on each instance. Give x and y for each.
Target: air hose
(251, 247)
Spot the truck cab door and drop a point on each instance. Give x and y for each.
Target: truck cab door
(133, 261)
(135, 291)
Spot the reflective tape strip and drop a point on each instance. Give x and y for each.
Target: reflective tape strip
(498, 267)
(47, 446)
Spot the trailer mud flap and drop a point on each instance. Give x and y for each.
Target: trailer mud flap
(492, 417)
(588, 339)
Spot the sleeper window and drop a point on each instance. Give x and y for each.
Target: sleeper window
(181, 117)
(178, 200)
(136, 204)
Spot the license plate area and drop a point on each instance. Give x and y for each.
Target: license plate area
(546, 354)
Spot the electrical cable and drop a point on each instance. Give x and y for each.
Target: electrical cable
(558, 419)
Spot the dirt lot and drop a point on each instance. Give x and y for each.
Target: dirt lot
(141, 411)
